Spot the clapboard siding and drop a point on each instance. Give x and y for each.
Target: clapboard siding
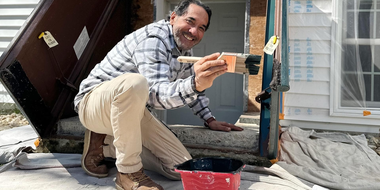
(311, 46)
(308, 103)
(303, 6)
(19, 3)
(310, 37)
(313, 87)
(309, 20)
(317, 33)
(305, 73)
(13, 14)
(323, 60)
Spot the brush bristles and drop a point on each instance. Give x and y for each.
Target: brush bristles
(247, 63)
(252, 63)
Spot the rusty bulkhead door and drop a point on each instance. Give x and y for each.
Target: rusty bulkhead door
(43, 80)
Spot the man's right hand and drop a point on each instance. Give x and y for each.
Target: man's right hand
(207, 69)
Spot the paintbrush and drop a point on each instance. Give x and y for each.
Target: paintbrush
(236, 62)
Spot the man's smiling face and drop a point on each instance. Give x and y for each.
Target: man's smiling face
(189, 28)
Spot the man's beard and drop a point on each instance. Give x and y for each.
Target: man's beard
(179, 43)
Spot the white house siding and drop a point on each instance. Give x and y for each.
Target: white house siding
(311, 44)
(13, 14)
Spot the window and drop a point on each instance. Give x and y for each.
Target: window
(357, 55)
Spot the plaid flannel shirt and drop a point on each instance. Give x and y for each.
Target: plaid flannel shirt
(152, 52)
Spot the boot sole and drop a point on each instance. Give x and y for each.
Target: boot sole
(87, 137)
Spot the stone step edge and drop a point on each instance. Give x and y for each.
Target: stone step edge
(247, 139)
(190, 135)
(56, 145)
(250, 118)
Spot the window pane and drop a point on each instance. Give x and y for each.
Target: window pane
(361, 55)
(348, 87)
(367, 84)
(350, 24)
(378, 23)
(366, 4)
(377, 59)
(365, 20)
(350, 62)
(361, 4)
(365, 24)
(365, 53)
(377, 88)
(351, 95)
(350, 4)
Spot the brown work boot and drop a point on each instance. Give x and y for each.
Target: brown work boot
(92, 157)
(135, 181)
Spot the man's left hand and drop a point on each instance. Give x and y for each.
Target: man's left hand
(223, 126)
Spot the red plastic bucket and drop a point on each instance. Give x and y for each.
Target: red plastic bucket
(210, 173)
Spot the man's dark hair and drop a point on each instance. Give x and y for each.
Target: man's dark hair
(181, 9)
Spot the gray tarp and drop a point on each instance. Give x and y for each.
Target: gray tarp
(333, 160)
(13, 142)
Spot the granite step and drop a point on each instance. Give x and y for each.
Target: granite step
(200, 141)
(250, 118)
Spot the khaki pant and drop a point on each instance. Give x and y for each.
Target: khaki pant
(117, 108)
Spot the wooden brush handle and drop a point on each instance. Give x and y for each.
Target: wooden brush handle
(188, 59)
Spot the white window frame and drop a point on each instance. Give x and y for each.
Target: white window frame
(335, 88)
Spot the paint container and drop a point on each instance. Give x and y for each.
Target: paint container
(210, 173)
